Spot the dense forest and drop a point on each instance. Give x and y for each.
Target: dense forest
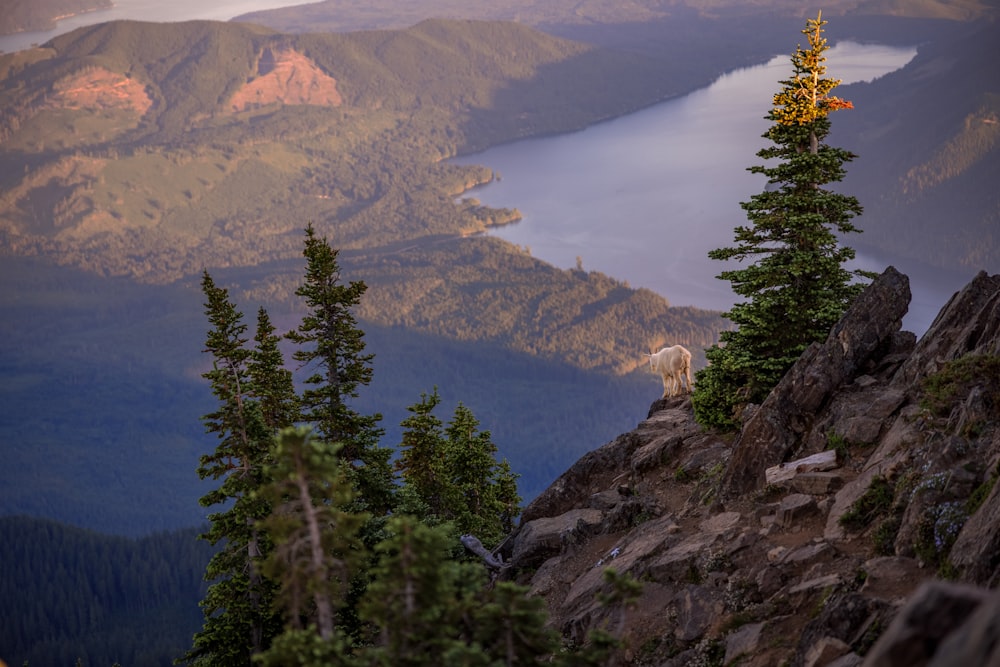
(72, 594)
(89, 422)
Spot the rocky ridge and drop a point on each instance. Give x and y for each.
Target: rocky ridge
(854, 519)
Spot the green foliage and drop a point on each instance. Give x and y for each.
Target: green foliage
(485, 498)
(454, 473)
(875, 502)
(316, 542)
(239, 620)
(332, 346)
(271, 383)
(304, 648)
(421, 461)
(839, 444)
(194, 183)
(417, 596)
(884, 537)
(951, 385)
(352, 588)
(797, 288)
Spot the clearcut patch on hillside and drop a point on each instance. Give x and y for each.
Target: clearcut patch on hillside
(97, 89)
(286, 76)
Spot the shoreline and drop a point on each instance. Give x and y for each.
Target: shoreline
(53, 23)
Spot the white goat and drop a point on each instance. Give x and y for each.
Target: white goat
(673, 364)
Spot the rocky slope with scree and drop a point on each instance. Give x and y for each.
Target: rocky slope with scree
(854, 520)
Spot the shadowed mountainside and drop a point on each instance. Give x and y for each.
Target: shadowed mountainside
(929, 146)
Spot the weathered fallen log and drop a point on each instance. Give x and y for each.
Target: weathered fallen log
(473, 544)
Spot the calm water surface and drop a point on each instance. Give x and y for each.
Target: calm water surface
(644, 197)
(148, 10)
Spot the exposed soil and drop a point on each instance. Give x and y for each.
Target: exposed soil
(99, 89)
(288, 77)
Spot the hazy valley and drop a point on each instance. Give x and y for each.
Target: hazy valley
(134, 155)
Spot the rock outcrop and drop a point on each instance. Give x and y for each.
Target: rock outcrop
(804, 540)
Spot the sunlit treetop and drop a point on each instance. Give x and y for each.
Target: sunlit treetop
(806, 96)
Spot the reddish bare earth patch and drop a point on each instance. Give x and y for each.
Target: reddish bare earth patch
(287, 77)
(100, 89)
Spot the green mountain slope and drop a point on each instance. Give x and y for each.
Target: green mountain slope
(72, 594)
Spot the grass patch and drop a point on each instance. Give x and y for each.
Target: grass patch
(955, 380)
(876, 502)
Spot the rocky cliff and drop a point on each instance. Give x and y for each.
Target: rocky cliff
(854, 520)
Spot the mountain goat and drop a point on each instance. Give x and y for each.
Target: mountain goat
(672, 363)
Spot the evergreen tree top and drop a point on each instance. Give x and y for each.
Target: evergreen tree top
(806, 97)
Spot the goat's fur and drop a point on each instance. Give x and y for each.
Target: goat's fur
(674, 365)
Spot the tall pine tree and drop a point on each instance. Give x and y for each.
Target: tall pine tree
(797, 287)
(421, 461)
(331, 346)
(239, 620)
(485, 492)
(271, 382)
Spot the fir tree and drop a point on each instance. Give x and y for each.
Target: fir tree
(421, 462)
(418, 595)
(332, 347)
(512, 628)
(797, 287)
(316, 547)
(484, 497)
(271, 382)
(454, 472)
(239, 620)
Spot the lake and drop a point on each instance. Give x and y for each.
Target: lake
(644, 197)
(147, 10)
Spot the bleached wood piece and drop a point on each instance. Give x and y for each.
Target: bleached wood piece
(826, 460)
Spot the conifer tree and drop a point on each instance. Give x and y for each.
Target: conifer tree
(797, 287)
(417, 595)
(239, 620)
(454, 472)
(512, 628)
(421, 462)
(271, 382)
(316, 544)
(332, 347)
(484, 493)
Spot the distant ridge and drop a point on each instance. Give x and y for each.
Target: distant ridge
(928, 139)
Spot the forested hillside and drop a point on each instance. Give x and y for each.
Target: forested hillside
(134, 156)
(142, 152)
(929, 153)
(71, 594)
